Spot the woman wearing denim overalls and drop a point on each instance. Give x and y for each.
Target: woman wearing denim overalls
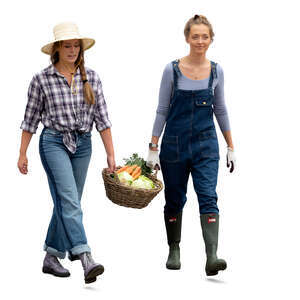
(191, 92)
(67, 98)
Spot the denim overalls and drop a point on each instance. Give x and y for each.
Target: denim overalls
(190, 145)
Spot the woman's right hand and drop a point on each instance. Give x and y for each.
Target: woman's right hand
(23, 164)
(153, 159)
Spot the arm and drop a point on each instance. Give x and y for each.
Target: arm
(228, 138)
(25, 140)
(109, 148)
(34, 107)
(107, 142)
(221, 114)
(154, 140)
(23, 161)
(220, 109)
(30, 123)
(103, 125)
(165, 92)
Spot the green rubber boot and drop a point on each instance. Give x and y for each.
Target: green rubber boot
(210, 230)
(173, 228)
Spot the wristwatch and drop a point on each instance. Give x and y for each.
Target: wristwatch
(152, 145)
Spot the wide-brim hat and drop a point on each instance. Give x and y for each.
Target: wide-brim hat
(67, 31)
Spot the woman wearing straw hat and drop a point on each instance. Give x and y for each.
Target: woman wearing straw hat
(192, 90)
(67, 98)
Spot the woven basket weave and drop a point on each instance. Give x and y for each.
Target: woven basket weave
(129, 196)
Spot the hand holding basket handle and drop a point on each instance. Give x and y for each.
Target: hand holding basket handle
(153, 160)
(111, 163)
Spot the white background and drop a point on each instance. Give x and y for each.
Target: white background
(257, 44)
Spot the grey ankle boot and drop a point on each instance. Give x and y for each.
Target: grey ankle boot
(91, 269)
(210, 231)
(173, 228)
(52, 266)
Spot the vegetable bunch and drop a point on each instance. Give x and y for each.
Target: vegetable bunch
(139, 161)
(135, 171)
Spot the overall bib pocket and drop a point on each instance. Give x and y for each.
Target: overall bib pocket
(204, 102)
(169, 149)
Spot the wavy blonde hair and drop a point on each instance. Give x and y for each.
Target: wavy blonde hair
(88, 92)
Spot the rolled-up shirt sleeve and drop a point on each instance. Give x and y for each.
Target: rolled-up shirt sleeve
(34, 107)
(101, 118)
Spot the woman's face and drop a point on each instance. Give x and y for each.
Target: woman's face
(199, 38)
(69, 50)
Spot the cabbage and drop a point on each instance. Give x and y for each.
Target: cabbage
(125, 178)
(143, 182)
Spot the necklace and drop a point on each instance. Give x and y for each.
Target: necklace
(74, 88)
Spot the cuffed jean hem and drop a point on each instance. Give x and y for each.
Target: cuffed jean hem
(54, 252)
(80, 249)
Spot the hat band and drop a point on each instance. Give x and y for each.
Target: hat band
(63, 35)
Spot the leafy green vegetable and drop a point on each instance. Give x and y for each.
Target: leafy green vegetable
(125, 178)
(136, 160)
(143, 182)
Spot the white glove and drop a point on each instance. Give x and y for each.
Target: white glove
(153, 159)
(231, 160)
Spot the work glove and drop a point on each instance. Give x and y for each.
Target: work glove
(153, 159)
(231, 160)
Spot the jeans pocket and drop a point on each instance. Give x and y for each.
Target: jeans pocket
(209, 146)
(169, 149)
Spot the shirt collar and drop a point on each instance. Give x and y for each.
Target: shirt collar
(52, 70)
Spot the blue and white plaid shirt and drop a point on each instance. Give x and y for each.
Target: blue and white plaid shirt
(51, 101)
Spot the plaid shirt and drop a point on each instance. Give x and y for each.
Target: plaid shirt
(51, 101)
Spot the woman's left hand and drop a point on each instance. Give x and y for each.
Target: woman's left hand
(231, 160)
(111, 163)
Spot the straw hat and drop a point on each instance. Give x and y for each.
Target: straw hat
(67, 31)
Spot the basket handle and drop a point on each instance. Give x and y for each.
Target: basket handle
(116, 177)
(156, 170)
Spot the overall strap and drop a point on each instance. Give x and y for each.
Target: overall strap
(213, 74)
(176, 72)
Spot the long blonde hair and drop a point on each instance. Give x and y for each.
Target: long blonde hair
(88, 92)
(198, 19)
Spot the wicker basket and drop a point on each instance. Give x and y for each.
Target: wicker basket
(129, 196)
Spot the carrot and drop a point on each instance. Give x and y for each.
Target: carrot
(136, 170)
(122, 169)
(137, 175)
(131, 169)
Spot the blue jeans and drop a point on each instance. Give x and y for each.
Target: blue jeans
(66, 173)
